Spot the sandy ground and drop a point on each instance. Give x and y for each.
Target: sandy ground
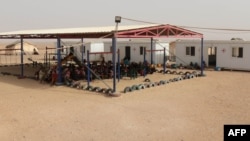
(190, 110)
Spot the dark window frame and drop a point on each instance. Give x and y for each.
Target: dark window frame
(141, 50)
(187, 50)
(238, 52)
(190, 50)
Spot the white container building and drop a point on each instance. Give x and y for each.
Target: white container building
(228, 54)
(134, 50)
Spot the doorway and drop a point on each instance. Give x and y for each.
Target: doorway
(212, 51)
(127, 52)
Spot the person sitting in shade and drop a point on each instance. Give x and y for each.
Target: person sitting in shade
(67, 79)
(126, 61)
(42, 75)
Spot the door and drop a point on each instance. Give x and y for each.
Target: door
(72, 50)
(127, 52)
(212, 56)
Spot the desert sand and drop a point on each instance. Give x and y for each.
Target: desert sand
(188, 110)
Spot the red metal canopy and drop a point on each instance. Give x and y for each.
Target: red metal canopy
(159, 31)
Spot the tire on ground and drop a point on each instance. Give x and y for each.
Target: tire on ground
(180, 78)
(173, 72)
(97, 89)
(84, 87)
(152, 84)
(171, 80)
(147, 80)
(90, 88)
(162, 82)
(167, 81)
(127, 89)
(134, 87)
(142, 86)
(109, 91)
(103, 90)
(157, 83)
(168, 72)
(187, 73)
(180, 73)
(190, 76)
(147, 85)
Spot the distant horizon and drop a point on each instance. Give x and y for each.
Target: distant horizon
(29, 14)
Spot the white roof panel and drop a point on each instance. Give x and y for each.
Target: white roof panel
(75, 30)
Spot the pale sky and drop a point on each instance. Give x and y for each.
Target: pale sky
(44, 14)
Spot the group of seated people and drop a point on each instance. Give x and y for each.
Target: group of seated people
(46, 75)
(105, 69)
(69, 75)
(134, 69)
(99, 70)
(73, 74)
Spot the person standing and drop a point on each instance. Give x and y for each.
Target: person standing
(53, 76)
(41, 75)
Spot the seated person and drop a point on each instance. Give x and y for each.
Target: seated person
(42, 75)
(67, 79)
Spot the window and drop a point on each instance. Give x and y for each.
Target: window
(237, 52)
(190, 51)
(141, 50)
(234, 52)
(240, 52)
(128, 52)
(212, 51)
(187, 50)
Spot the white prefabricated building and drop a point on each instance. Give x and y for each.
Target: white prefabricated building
(82, 52)
(228, 54)
(133, 49)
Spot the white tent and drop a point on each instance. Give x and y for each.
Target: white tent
(28, 48)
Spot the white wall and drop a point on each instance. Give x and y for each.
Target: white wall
(226, 60)
(95, 47)
(182, 58)
(91, 46)
(135, 50)
(134, 46)
(224, 53)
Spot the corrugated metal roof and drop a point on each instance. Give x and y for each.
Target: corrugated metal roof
(105, 29)
(130, 31)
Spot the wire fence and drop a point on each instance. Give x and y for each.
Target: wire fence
(6, 59)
